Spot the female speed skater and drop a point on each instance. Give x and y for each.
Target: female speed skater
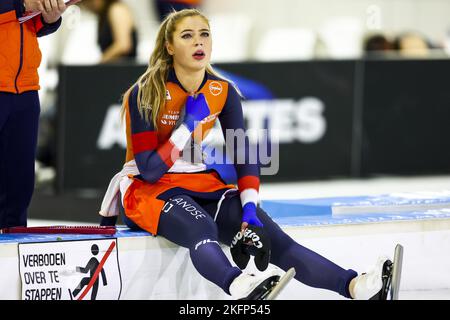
(165, 188)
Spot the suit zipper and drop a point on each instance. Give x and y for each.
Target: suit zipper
(21, 57)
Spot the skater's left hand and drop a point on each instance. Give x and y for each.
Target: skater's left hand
(251, 235)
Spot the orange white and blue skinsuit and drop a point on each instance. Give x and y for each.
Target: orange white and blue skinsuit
(20, 58)
(165, 194)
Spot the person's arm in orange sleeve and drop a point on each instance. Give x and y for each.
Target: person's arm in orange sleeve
(11, 10)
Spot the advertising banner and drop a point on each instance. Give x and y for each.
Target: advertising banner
(405, 117)
(305, 107)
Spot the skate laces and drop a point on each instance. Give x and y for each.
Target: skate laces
(370, 283)
(375, 273)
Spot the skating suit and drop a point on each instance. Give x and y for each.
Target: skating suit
(160, 176)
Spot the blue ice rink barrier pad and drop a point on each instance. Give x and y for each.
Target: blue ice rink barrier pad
(304, 220)
(309, 212)
(359, 209)
(395, 202)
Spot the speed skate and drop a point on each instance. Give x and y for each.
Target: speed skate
(271, 288)
(391, 276)
(279, 285)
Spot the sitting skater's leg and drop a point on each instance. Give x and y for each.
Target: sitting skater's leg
(184, 222)
(311, 268)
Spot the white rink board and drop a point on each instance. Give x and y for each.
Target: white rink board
(154, 268)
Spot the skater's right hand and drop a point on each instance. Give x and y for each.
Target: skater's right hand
(196, 110)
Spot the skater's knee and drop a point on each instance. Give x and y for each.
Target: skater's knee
(202, 232)
(281, 251)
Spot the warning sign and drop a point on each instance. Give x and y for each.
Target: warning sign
(70, 270)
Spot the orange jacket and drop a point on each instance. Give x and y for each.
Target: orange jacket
(20, 56)
(188, 2)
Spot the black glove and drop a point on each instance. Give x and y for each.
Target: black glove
(240, 245)
(108, 221)
(239, 250)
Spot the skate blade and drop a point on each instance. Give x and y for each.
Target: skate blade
(284, 280)
(396, 272)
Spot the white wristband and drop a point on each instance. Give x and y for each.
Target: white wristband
(249, 195)
(180, 137)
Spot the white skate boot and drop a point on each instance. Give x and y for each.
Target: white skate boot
(382, 280)
(261, 286)
(369, 285)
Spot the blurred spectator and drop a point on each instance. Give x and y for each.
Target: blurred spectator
(446, 45)
(377, 43)
(20, 57)
(164, 7)
(412, 44)
(117, 35)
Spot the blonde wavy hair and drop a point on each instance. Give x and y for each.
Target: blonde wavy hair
(152, 84)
